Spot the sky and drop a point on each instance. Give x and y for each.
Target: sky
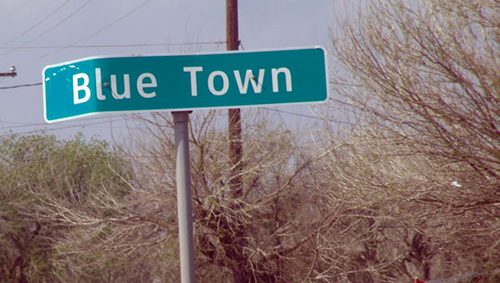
(37, 33)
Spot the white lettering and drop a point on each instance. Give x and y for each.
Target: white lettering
(194, 85)
(219, 83)
(141, 85)
(225, 83)
(83, 87)
(249, 77)
(126, 87)
(288, 78)
(98, 84)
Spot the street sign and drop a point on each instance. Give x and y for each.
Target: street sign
(184, 82)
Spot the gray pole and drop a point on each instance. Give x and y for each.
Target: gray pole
(184, 210)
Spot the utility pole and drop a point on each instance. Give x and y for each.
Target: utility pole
(234, 115)
(236, 150)
(12, 72)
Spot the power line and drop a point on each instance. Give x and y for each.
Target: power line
(105, 119)
(39, 22)
(305, 115)
(62, 128)
(135, 9)
(19, 86)
(266, 108)
(293, 113)
(48, 128)
(58, 24)
(114, 45)
(23, 7)
(45, 124)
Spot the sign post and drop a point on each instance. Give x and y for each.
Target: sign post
(180, 84)
(184, 82)
(183, 182)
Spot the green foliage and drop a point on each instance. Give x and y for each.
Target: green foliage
(70, 170)
(41, 180)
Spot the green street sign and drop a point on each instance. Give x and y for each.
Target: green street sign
(184, 82)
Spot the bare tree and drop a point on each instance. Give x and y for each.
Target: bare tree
(429, 71)
(423, 78)
(44, 184)
(257, 237)
(394, 216)
(410, 189)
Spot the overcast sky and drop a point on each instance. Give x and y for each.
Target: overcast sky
(36, 33)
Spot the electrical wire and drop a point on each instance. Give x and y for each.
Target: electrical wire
(19, 86)
(114, 45)
(3, 18)
(22, 125)
(267, 108)
(48, 128)
(103, 46)
(305, 116)
(62, 128)
(38, 23)
(58, 24)
(135, 9)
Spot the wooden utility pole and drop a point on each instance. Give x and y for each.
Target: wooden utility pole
(234, 115)
(235, 244)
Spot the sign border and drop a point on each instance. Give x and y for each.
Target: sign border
(183, 109)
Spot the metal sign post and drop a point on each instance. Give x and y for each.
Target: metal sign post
(184, 209)
(184, 82)
(181, 83)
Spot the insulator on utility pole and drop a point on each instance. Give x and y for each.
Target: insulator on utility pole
(12, 72)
